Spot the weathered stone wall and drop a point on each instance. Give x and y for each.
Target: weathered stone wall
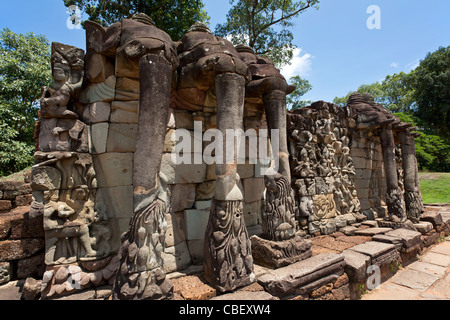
(21, 245)
(112, 198)
(15, 194)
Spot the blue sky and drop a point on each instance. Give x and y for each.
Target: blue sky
(337, 52)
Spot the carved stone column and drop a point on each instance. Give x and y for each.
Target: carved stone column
(275, 107)
(413, 198)
(394, 198)
(279, 245)
(141, 274)
(227, 248)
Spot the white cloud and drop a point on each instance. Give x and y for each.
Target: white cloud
(301, 65)
(394, 65)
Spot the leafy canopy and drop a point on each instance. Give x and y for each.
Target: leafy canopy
(302, 87)
(173, 16)
(431, 81)
(265, 26)
(24, 69)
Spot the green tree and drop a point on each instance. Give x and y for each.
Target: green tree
(395, 93)
(398, 92)
(173, 16)
(24, 69)
(265, 25)
(431, 81)
(432, 152)
(375, 89)
(302, 87)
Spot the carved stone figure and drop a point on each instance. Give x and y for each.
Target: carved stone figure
(279, 217)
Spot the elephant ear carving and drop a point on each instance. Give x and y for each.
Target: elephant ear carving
(103, 40)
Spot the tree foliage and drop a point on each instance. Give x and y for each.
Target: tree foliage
(24, 69)
(421, 97)
(395, 93)
(432, 151)
(265, 26)
(431, 81)
(173, 16)
(294, 100)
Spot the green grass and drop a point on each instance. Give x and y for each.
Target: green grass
(435, 187)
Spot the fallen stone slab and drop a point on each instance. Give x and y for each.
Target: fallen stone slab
(286, 280)
(372, 231)
(246, 295)
(356, 265)
(276, 254)
(434, 217)
(193, 288)
(423, 227)
(409, 238)
(396, 225)
(389, 239)
(380, 253)
(349, 230)
(370, 223)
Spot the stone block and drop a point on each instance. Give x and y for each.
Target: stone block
(176, 257)
(356, 265)
(273, 254)
(96, 92)
(31, 267)
(127, 89)
(287, 280)
(434, 217)
(183, 120)
(193, 288)
(252, 213)
(349, 230)
(196, 250)
(182, 196)
(6, 272)
(122, 137)
(246, 170)
(97, 112)
(22, 226)
(19, 249)
(125, 111)
(409, 238)
(203, 205)
(205, 190)
(351, 219)
(175, 229)
(380, 253)
(253, 189)
(5, 205)
(195, 223)
(23, 200)
(423, 227)
(246, 295)
(114, 169)
(116, 202)
(372, 231)
(98, 134)
(182, 173)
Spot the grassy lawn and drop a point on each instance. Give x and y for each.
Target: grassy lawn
(435, 187)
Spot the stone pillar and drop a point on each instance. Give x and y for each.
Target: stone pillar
(275, 106)
(413, 198)
(141, 274)
(394, 199)
(227, 248)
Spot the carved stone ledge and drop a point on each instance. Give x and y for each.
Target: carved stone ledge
(276, 254)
